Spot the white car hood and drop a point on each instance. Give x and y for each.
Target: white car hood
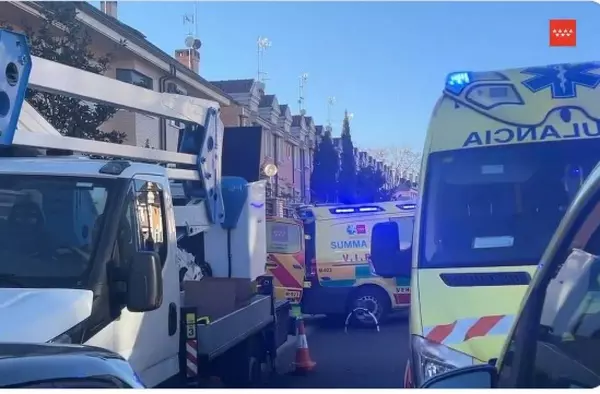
(39, 315)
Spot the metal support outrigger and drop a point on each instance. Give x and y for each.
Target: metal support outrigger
(197, 161)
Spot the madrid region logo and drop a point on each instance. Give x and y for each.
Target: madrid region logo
(356, 229)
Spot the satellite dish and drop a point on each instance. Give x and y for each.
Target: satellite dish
(197, 44)
(189, 41)
(270, 170)
(302, 112)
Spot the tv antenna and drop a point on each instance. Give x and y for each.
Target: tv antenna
(191, 40)
(191, 19)
(302, 82)
(262, 44)
(330, 104)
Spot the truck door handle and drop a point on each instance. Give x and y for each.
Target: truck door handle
(172, 319)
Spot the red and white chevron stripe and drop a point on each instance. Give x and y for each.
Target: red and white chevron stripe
(463, 330)
(191, 357)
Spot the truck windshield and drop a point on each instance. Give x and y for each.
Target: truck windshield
(285, 238)
(499, 206)
(48, 228)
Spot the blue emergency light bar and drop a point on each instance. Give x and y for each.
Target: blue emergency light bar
(456, 82)
(407, 207)
(349, 210)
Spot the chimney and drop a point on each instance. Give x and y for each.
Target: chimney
(109, 8)
(190, 58)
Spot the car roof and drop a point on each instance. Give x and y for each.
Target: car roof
(26, 363)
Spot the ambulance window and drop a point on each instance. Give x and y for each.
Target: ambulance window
(405, 225)
(284, 238)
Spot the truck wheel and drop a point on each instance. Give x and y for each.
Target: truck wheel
(372, 298)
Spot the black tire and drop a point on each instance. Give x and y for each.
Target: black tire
(374, 299)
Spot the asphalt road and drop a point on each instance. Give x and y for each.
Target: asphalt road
(359, 359)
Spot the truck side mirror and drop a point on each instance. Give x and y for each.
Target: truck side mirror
(144, 282)
(387, 258)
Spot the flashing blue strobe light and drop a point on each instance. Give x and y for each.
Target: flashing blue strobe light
(456, 82)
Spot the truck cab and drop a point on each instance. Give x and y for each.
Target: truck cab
(89, 235)
(556, 338)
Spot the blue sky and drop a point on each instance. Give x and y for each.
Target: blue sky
(385, 62)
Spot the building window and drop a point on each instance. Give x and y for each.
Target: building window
(280, 143)
(296, 158)
(135, 78)
(268, 144)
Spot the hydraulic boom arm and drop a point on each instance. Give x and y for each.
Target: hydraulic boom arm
(198, 159)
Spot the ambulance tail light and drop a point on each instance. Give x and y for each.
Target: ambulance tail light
(431, 359)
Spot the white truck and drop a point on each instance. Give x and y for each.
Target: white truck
(89, 245)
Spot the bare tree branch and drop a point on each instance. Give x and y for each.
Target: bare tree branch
(403, 161)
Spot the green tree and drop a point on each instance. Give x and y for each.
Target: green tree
(316, 183)
(370, 186)
(325, 170)
(347, 178)
(62, 38)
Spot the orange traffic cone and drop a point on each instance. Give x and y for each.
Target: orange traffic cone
(303, 363)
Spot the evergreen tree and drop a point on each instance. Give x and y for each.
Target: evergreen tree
(370, 186)
(316, 183)
(326, 167)
(62, 38)
(347, 178)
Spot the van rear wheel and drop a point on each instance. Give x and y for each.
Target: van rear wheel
(372, 298)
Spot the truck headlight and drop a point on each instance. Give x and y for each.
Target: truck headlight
(431, 359)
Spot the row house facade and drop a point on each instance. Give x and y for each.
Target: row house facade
(287, 141)
(305, 133)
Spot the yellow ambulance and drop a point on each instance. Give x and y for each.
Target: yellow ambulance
(339, 277)
(504, 155)
(285, 257)
(554, 341)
